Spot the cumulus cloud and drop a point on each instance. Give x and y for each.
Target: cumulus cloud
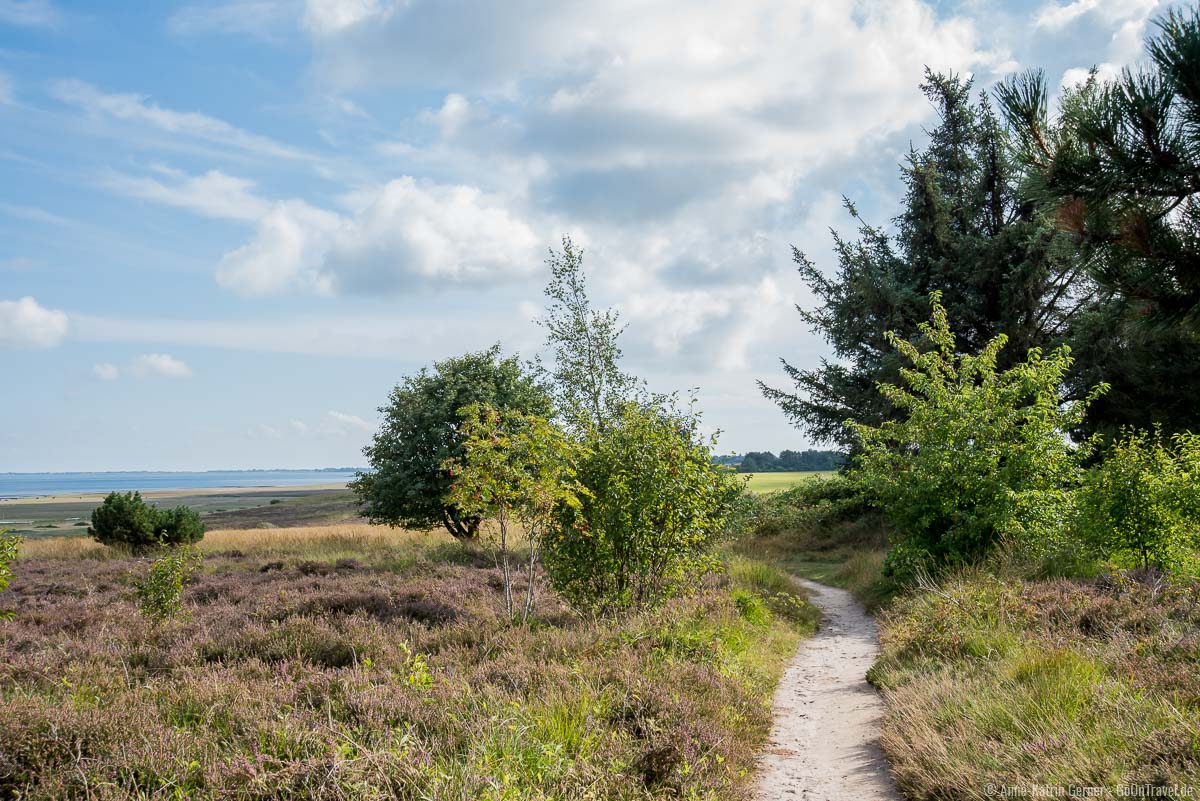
(213, 194)
(26, 324)
(140, 111)
(161, 364)
(403, 234)
(106, 371)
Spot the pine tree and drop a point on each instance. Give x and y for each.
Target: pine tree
(963, 231)
(1118, 171)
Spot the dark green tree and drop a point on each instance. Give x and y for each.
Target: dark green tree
(964, 231)
(125, 520)
(1117, 170)
(422, 429)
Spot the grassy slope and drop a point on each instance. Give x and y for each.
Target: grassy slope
(389, 674)
(1007, 683)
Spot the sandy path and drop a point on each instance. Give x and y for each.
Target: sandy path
(825, 743)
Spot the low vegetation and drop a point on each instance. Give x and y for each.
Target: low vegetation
(1001, 682)
(365, 662)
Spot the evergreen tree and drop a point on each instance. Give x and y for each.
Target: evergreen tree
(1118, 171)
(962, 231)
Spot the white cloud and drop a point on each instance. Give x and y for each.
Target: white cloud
(213, 194)
(351, 422)
(106, 371)
(402, 234)
(26, 324)
(161, 364)
(1056, 17)
(30, 13)
(325, 17)
(263, 19)
(138, 110)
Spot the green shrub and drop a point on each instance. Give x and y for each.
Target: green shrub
(9, 548)
(981, 455)
(126, 520)
(160, 593)
(652, 512)
(1141, 506)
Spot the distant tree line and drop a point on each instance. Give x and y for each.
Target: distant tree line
(785, 462)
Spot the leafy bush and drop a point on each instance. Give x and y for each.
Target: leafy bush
(654, 507)
(516, 470)
(126, 520)
(980, 456)
(160, 594)
(809, 506)
(9, 548)
(1141, 505)
(422, 428)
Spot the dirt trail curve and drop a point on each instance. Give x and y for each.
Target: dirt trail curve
(825, 742)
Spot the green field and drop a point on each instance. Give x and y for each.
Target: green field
(773, 482)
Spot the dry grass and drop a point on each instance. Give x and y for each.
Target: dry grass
(311, 541)
(358, 662)
(994, 683)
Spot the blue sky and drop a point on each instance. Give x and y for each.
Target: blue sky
(227, 229)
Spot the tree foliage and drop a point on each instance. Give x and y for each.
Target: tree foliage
(1119, 169)
(653, 510)
(422, 428)
(1141, 506)
(981, 454)
(125, 520)
(516, 473)
(590, 389)
(10, 547)
(789, 461)
(964, 231)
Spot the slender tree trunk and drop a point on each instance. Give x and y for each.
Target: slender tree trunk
(533, 555)
(505, 568)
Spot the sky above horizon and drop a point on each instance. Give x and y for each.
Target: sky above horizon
(228, 229)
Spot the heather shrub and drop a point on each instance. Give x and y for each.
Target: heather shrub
(1140, 507)
(980, 456)
(126, 520)
(160, 593)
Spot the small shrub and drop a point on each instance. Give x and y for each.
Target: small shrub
(9, 548)
(982, 455)
(126, 520)
(1140, 507)
(160, 593)
(653, 510)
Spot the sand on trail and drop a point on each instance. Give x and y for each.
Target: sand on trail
(824, 745)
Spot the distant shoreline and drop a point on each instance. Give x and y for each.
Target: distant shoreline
(183, 492)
